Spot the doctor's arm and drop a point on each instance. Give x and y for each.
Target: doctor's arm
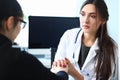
(73, 72)
(115, 73)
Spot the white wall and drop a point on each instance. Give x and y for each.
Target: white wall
(113, 24)
(119, 35)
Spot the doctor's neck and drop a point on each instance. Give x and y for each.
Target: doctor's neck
(88, 40)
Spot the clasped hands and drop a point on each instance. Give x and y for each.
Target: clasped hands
(67, 66)
(60, 65)
(63, 65)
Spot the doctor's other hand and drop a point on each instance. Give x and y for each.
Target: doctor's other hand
(59, 65)
(72, 71)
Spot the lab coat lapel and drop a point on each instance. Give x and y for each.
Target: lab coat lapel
(91, 54)
(76, 52)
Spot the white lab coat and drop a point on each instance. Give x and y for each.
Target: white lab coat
(70, 45)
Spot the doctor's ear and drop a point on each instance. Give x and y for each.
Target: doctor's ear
(9, 23)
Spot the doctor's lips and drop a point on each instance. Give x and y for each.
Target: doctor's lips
(85, 26)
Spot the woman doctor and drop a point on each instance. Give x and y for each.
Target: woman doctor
(90, 49)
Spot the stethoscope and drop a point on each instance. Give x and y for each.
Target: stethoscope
(73, 61)
(76, 40)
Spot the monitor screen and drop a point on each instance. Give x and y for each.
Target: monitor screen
(46, 31)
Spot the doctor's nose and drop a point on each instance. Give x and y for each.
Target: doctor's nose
(86, 19)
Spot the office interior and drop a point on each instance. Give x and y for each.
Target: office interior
(61, 8)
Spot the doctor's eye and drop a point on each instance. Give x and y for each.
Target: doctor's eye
(82, 13)
(93, 15)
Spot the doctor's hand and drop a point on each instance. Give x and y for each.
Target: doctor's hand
(59, 65)
(72, 71)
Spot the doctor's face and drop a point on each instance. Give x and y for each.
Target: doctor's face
(89, 19)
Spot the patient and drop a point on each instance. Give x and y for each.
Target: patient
(14, 63)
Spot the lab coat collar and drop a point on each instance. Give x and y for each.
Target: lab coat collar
(92, 53)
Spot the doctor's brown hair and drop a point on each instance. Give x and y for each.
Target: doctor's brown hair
(106, 53)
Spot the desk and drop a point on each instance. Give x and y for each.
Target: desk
(44, 55)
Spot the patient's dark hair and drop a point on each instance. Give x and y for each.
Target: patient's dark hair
(9, 8)
(106, 53)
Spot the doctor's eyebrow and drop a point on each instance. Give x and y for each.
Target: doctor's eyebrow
(83, 12)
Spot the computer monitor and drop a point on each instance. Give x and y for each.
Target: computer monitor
(46, 31)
